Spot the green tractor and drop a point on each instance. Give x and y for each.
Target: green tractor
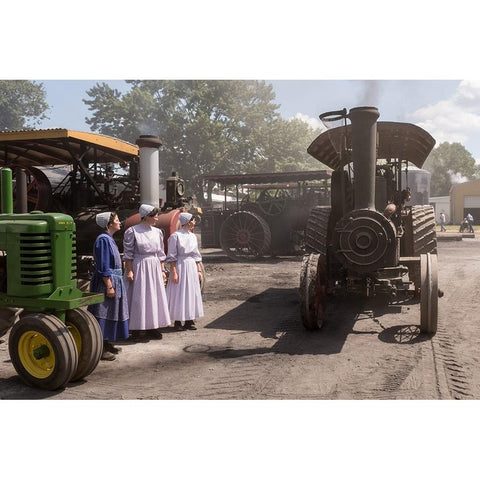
(53, 340)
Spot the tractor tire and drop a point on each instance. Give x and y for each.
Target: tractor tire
(313, 291)
(422, 236)
(316, 231)
(42, 351)
(86, 333)
(245, 236)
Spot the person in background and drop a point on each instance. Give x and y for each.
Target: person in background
(470, 222)
(443, 218)
(183, 288)
(144, 257)
(112, 313)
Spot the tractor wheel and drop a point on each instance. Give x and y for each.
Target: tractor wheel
(313, 290)
(245, 236)
(86, 333)
(421, 238)
(39, 190)
(42, 351)
(317, 229)
(272, 201)
(424, 235)
(428, 293)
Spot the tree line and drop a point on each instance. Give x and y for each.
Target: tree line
(208, 127)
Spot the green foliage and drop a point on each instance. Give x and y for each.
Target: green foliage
(206, 126)
(449, 163)
(22, 104)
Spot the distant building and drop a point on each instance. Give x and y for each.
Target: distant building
(440, 204)
(464, 199)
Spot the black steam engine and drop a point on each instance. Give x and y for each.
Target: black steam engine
(368, 242)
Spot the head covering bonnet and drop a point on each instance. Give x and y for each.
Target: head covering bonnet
(145, 210)
(184, 218)
(102, 219)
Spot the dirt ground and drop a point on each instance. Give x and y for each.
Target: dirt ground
(251, 344)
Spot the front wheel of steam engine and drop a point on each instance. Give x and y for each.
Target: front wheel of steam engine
(86, 333)
(428, 293)
(313, 290)
(42, 351)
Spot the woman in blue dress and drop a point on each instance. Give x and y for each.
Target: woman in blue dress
(112, 313)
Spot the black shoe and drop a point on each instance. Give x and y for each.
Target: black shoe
(178, 326)
(134, 334)
(109, 356)
(190, 325)
(111, 348)
(156, 334)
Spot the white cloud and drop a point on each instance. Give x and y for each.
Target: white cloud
(456, 119)
(313, 122)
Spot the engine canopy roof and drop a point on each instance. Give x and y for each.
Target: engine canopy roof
(396, 140)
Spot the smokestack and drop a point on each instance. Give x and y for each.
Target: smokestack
(364, 152)
(21, 205)
(7, 193)
(149, 169)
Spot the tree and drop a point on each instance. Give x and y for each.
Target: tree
(449, 163)
(22, 104)
(206, 126)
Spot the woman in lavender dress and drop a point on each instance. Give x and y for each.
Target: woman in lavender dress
(144, 257)
(183, 288)
(112, 313)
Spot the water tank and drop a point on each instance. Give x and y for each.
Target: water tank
(418, 181)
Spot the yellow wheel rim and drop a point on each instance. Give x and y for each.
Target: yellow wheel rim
(36, 354)
(76, 336)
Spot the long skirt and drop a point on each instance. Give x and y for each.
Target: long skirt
(113, 330)
(147, 300)
(185, 297)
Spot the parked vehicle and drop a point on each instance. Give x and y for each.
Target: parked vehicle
(368, 241)
(268, 216)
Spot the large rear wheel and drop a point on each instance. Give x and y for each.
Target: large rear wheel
(245, 236)
(42, 351)
(420, 238)
(428, 293)
(316, 231)
(313, 290)
(86, 333)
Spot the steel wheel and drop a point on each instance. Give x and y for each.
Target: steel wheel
(43, 351)
(86, 333)
(245, 236)
(316, 230)
(313, 290)
(272, 201)
(420, 238)
(428, 293)
(39, 189)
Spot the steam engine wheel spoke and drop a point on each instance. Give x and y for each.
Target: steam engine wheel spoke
(245, 236)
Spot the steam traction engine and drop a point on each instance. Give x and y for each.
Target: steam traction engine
(368, 242)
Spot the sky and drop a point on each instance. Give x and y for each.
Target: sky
(448, 109)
